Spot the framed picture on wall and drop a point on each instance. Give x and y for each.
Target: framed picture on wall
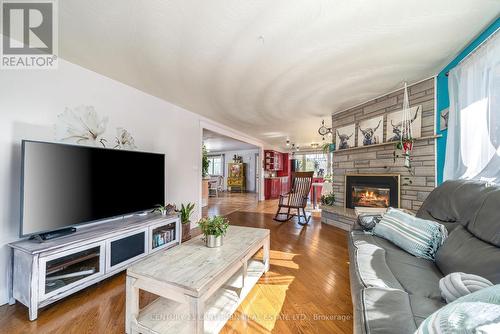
(395, 121)
(344, 137)
(443, 120)
(370, 131)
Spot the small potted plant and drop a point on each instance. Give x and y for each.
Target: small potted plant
(328, 199)
(214, 229)
(186, 211)
(166, 209)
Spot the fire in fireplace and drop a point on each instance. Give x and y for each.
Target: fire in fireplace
(371, 197)
(372, 190)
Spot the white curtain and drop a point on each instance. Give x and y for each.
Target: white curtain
(473, 145)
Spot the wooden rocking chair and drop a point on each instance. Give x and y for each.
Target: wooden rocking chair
(296, 198)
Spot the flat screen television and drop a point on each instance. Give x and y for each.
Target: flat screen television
(66, 185)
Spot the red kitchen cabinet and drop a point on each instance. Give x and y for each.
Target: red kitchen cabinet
(273, 161)
(276, 188)
(285, 166)
(272, 188)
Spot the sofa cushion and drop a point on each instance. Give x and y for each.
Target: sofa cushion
(387, 311)
(453, 202)
(388, 283)
(438, 205)
(423, 307)
(370, 263)
(463, 252)
(486, 223)
(382, 264)
(418, 276)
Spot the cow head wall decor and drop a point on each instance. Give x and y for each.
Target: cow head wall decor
(369, 134)
(397, 127)
(344, 140)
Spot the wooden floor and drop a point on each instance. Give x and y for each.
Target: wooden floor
(227, 203)
(305, 291)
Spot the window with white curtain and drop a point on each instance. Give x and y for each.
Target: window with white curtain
(215, 165)
(473, 144)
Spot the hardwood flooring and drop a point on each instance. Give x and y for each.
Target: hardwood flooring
(228, 202)
(305, 291)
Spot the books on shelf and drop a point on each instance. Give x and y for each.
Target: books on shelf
(163, 236)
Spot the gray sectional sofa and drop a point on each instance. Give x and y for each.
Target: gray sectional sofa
(394, 291)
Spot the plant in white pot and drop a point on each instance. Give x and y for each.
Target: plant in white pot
(214, 229)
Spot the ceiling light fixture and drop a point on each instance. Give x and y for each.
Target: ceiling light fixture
(288, 142)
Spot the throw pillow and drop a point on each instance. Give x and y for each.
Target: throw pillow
(417, 236)
(478, 312)
(456, 285)
(368, 221)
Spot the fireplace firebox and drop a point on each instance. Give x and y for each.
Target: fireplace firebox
(372, 190)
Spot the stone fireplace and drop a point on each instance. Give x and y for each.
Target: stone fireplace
(378, 160)
(371, 190)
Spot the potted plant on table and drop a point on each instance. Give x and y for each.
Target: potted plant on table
(185, 212)
(166, 209)
(213, 229)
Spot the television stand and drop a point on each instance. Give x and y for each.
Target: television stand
(54, 234)
(47, 271)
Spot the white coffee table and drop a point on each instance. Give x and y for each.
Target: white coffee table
(199, 288)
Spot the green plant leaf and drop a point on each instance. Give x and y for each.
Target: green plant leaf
(216, 225)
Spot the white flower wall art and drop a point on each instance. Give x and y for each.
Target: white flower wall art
(124, 140)
(81, 125)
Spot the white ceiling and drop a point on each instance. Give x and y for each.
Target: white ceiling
(272, 69)
(215, 142)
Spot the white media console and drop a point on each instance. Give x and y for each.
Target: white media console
(45, 272)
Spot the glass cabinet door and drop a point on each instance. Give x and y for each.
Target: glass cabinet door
(163, 235)
(70, 269)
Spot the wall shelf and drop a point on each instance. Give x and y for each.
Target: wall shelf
(383, 144)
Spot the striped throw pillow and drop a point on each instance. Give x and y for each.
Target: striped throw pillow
(417, 236)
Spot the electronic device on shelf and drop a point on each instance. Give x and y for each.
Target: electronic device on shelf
(71, 275)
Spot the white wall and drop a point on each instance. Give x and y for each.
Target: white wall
(29, 104)
(248, 158)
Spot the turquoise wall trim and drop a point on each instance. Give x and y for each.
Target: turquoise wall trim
(442, 97)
